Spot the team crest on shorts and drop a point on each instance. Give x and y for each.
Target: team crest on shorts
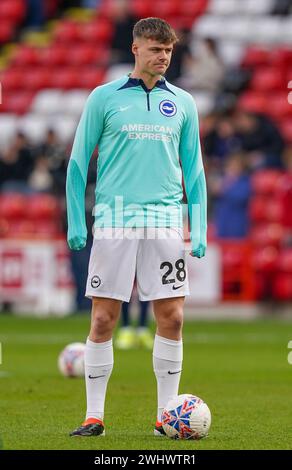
(167, 108)
(95, 282)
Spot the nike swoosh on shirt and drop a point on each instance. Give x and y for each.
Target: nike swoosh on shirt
(177, 287)
(124, 108)
(97, 377)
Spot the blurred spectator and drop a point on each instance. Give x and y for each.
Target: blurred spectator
(220, 139)
(180, 54)
(282, 7)
(261, 139)
(64, 4)
(287, 159)
(231, 193)
(91, 3)
(52, 147)
(52, 157)
(35, 16)
(286, 195)
(16, 165)
(40, 178)
(124, 22)
(204, 70)
(51, 8)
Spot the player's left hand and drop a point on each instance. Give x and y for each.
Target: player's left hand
(199, 252)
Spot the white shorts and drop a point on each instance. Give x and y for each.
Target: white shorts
(156, 256)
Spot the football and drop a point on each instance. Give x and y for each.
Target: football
(186, 417)
(71, 360)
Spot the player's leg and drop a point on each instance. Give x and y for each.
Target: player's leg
(98, 362)
(167, 351)
(108, 286)
(162, 277)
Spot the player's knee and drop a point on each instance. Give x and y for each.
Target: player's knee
(176, 321)
(172, 319)
(102, 322)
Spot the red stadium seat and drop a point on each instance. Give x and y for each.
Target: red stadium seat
(286, 129)
(12, 10)
(54, 55)
(97, 32)
(191, 8)
(256, 56)
(36, 78)
(4, 227)
(6, 31)
(47, 229)
(268, 79)
(238, 283)
(282, 287)
(266, 182)
(43, 207)
(232, 257)
(289, 79)
(284, 263)
(22, 228)
(254, 102)
(163, 9)
(91, 77)
(25, 56)
(65, 78)
(16, 102)
(265, 259)
(85, 54)
(278, 106)
(267, 234)
(263, 209)
(281, 57)
(285, 194)
(182, 21)
(257, 209)
(11, 79)
(67, 32)
(12, 206)
(141, 9)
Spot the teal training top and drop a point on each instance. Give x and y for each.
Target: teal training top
(146, 139)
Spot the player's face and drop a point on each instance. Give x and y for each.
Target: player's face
(151, 56)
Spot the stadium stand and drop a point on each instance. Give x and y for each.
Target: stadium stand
(43, 89)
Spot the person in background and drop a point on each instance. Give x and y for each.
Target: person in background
(16, 165)
(204, 70)
(91, 3)
(260, 139)
(127, 336)
(220, 140)
(124, 22)
(231, 194)
(180, 55)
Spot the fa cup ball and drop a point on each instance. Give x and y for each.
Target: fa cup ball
(186, 417)
(71, 360)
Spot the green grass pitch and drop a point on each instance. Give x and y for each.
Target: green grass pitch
(240, 369)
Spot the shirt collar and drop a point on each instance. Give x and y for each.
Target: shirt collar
(134, 82)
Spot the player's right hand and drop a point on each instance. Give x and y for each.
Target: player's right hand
(77, 243)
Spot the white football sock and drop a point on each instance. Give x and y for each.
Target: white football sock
(167, 364)
(98, 360)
